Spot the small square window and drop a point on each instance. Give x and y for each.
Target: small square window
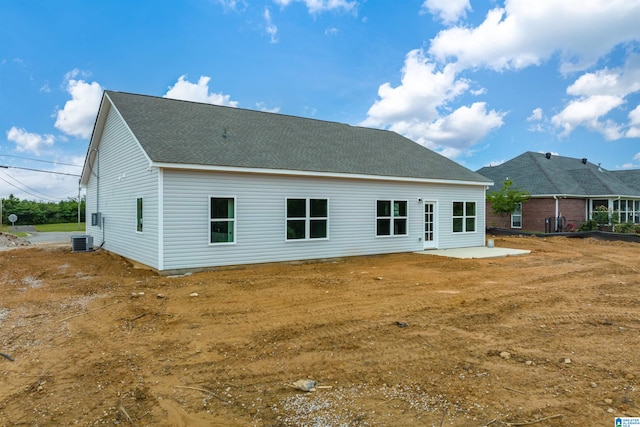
(464, 217)
(391, 217)
(307, 219)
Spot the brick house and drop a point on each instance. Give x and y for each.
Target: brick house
(565, 192)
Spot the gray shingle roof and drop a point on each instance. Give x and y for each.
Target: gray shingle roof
(182, 132)
(558, 175)
(631, 177)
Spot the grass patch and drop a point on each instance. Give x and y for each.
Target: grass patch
(70, 226)
(6, 230)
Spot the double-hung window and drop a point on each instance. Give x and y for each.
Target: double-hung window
(222, 220)
(139, 214)
(516, 217)
(464, 217)
(391, 217)
(307, 219)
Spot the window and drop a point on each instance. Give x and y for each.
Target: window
(307, 219)
(626, 210)
(139, 214)
(516, 217)
(391, 217)
(464, 217)
(222, 216)
(600, 211)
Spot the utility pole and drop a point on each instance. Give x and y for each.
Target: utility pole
(5, 167)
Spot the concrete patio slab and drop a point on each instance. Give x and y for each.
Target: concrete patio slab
(476, 252)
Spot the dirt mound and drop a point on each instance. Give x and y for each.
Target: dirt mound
(11, 241)
(548, 338)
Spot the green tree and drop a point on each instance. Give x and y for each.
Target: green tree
(34, 213)
(505, 201)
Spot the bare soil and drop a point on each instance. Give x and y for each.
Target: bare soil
(546, 339)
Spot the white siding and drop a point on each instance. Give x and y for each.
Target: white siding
(120, 175)
(260, 217)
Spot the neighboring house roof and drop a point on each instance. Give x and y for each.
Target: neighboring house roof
(631, 177)
(549, 175)
(175, 133)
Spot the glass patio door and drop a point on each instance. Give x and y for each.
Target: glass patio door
(430, 229)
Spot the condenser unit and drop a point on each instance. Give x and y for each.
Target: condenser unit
(81, 243)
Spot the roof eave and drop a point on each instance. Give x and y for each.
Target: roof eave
(96, 135)
(586, 196)
(289, 172)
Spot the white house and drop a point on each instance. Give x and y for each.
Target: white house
(181, 186)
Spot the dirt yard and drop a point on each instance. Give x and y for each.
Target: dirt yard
(546, 339)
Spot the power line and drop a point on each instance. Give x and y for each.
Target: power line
(25, 185)
(52, 198)
(39, 160)
(25, 191)
(40, 170)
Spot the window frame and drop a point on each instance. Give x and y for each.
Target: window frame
(392, 218)
(308, 219)
(627, 210)
(233, 220)
(464, 218)
(139, 215)
(517, 213)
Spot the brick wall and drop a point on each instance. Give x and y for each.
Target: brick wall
(535, 211)
(574, 211)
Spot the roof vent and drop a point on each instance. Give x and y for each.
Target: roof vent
(548, 155)
(584, 160)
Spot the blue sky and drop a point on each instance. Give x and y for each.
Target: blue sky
(477, 81)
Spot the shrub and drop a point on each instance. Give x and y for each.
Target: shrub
(590, 225)
(626, 227)
(601, 215)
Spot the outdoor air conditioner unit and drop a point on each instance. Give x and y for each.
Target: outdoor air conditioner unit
(81, 243)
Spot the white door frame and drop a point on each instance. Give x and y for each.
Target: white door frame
(430, 224)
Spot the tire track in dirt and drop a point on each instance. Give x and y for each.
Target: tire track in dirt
(607, 317)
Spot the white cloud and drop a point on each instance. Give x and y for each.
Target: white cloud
(79, 113)
(587, 112)
(449, 11)
(422, 91)
(235, 5)
(525, 33)
(536, 114)
(414, 108)
(596, 95)
(634, 116)
(271, 28)
(29, 142)
(263, 107)
(198, 92)
(455, 132)
(333, 31)
(318, 6)
(634, 125)
(617, 81)
(540, 125)
(632, 164)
